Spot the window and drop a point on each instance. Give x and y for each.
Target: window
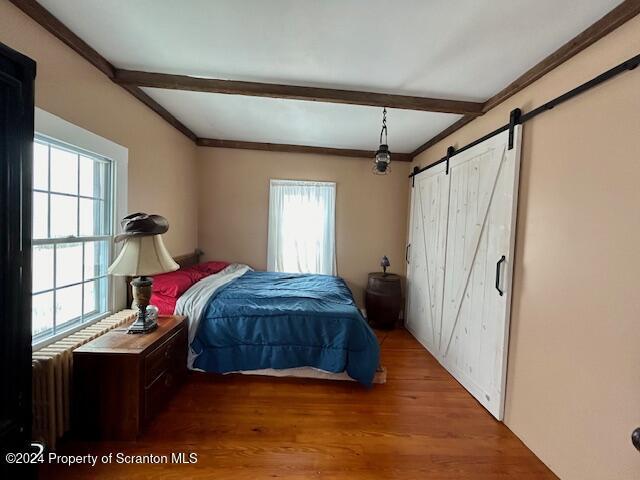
(72, 228)
(302, 227)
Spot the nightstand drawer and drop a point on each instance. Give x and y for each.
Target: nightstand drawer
(165, 356)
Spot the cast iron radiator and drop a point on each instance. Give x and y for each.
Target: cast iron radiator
(52, 375)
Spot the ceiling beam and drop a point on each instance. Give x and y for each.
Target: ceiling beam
(313, 94)
(54, 26)
(281, 147)
(624, 12)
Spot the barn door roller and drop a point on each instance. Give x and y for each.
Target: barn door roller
(514, 119)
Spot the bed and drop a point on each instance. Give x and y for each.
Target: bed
(241, 320)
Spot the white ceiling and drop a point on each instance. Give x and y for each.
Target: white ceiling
(463, 49)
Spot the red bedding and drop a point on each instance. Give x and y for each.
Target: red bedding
(168, 287)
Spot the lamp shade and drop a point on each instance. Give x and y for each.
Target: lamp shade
(142, 256)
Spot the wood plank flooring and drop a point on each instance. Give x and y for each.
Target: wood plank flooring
(421, 424)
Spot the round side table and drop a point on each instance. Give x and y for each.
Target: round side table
(383, 299)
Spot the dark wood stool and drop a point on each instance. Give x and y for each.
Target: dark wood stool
(383, 299)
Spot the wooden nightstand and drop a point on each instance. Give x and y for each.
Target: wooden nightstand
(122, 380)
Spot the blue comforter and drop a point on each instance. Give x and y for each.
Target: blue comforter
(281, 320)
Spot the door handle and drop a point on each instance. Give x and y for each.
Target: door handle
(406, 253)
(498, 271)
(635, 438)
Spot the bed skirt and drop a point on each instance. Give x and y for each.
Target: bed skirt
(380, 376)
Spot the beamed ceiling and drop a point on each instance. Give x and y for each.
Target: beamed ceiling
(303, 75)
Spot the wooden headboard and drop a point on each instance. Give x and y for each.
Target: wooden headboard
(190, 259)
(185, 261)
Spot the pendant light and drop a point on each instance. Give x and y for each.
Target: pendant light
(383, 155)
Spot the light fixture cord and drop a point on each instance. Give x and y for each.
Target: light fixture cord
(384, 126)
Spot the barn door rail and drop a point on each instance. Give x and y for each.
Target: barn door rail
(516, 117)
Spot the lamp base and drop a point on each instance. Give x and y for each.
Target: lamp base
(143, 327)
(142, 295)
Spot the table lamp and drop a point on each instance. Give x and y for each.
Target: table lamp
(142, 255)
(384, 263)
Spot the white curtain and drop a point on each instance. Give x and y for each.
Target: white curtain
(302, 227)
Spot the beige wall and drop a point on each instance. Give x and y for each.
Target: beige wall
(161, 159)
(573, 387)
(233, 207)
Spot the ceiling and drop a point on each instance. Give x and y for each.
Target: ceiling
(462, 50)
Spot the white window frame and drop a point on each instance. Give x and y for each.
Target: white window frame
(59, 131)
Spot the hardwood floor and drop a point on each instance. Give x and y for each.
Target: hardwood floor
(421, 424)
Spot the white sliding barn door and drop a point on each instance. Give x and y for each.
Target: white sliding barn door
(425, 272)
(462, 233)
(479, 264)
